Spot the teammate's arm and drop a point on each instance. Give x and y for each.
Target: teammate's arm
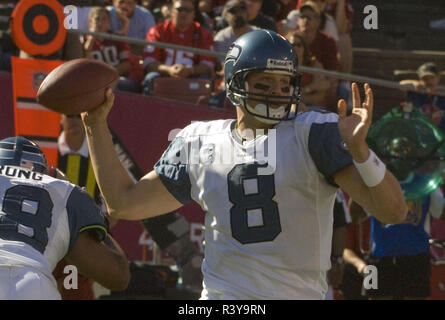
(124, 198)
(103, 261)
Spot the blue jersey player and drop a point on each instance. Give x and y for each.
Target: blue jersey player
(42, 220)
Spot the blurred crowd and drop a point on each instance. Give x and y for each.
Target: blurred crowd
(319, 30)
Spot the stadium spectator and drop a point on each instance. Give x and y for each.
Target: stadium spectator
(313, 87)
(257, 18)
(235, 13)
(66, 223)
(162, 13)
(243, 224)
(129, 19)
(150, 5)
(279, 9)
(180, 30)
(254, 16)
(113, 53)
(343, 13)
(400, 252)
(321, 45)
(208, 13)
(431, 105)
(327, 22)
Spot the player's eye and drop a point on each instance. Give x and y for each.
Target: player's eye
(262, 87)
(285, 89)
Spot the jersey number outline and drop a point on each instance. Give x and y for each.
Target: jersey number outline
(16, 218)
(242, 203)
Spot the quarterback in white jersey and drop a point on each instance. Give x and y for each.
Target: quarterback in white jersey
(255, 220)
(42, 219)
(267, 180)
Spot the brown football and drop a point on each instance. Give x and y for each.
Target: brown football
(76, 86)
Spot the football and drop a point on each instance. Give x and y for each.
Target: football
(76, 86)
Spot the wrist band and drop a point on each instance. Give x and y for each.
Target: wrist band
(372, 170)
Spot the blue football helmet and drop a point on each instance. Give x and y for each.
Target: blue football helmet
(262, 50)
(21, 152)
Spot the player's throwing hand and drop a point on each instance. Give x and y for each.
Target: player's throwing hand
(100, 113)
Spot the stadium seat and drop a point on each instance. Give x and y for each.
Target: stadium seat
(184, 90)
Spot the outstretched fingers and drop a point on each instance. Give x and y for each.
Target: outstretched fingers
(369, 101)
(356, 101)
(342, 109)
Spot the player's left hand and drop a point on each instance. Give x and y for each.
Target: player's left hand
(354, 128)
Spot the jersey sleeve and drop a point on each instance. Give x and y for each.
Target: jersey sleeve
(84, 214)
(173, 171)
(327, 149)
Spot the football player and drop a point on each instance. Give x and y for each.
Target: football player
(267, 180)
(42, 220)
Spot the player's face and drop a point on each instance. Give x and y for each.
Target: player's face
(271, 84)
(99, 22)
(267, 96)
(183, 13)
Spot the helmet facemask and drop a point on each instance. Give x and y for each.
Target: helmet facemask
(267, 108)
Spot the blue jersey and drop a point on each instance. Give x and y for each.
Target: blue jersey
(41, 218)
(404, 239)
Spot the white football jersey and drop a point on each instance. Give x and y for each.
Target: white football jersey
(41, 218)
(268, 203)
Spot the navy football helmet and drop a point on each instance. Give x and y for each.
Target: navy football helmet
(21, 152)
(262, 50)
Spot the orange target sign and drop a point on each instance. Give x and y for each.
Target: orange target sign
(37, 26)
